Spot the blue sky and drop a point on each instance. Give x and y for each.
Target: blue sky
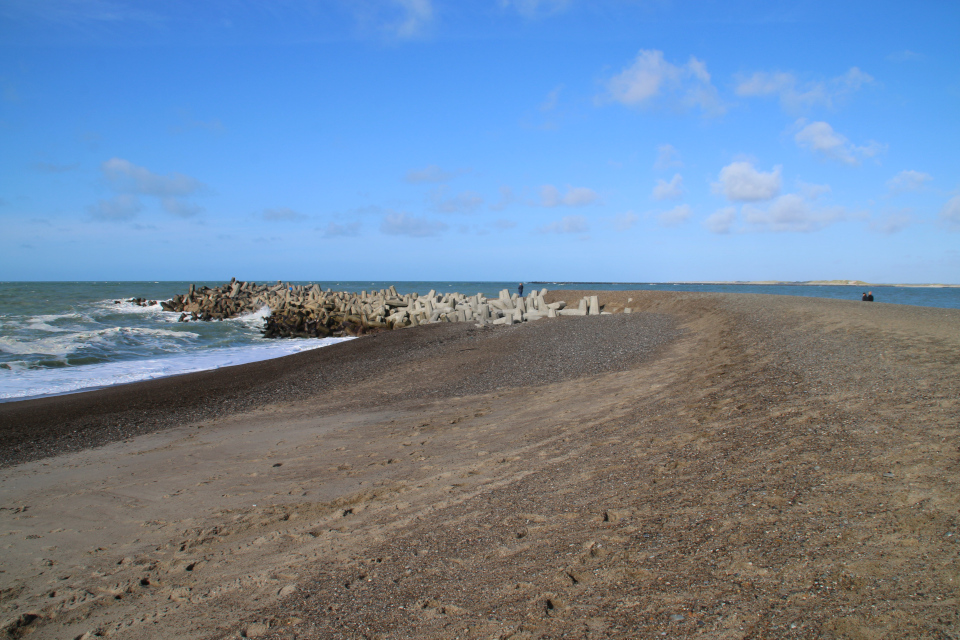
(497, 140)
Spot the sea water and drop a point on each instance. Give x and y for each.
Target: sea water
(63, 337)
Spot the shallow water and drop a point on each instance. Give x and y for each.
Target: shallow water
(61, 337)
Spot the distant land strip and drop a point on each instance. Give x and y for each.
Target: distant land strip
(839, 283)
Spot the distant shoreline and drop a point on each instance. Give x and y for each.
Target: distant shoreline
(802, 283)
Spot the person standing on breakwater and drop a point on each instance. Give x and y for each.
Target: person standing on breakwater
(520, 289)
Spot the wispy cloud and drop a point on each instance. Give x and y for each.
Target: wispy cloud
(625, 221)
(402, 224)
(507, 198)
(741, 182)
(123, 175)
(652, 80)
(120, 208)
(790, 213)
(79, 13)
(430, 173)
(904, 56)
(335, 230)
(796, 96)
(574, 197)
(669, 190)
(567, 224)
(533, 9)
(820, 138)
(667, 158)
(550, 103)
(812, 191)
(50, 167)
(892, 223)
(415, 16)
(179, 207)
(465, 202)
(909, 180)
(950, 214)
(721, 221)
(128, 179)
(189, 123)
(282, 214)
(675, 217)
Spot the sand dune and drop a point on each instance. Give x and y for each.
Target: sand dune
(724, 466)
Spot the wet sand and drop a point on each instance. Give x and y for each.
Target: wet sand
(724, 466)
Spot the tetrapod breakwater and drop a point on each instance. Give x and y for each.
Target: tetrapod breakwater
(300, 311)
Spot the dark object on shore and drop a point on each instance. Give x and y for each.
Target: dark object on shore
(867, 296)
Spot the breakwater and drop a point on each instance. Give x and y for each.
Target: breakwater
(308, 311)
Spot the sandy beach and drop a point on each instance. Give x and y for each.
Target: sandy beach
(710, 465)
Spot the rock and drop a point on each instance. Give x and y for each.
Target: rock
(255, 630)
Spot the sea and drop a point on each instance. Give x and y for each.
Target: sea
(67, 337)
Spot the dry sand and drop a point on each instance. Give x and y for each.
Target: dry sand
(723, 466)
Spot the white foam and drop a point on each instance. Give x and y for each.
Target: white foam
(63, 345)
(43, 326)
(34, 383)
(254, 319)
(128, 307)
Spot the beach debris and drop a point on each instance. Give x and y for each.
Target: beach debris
(308, 311)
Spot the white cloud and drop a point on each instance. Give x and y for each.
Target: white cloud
(675, 217)
(416, 15)
(117, 209)
(904, 56)
(535, 8)
(669, 190)
(189, 123)
(466, 202)
(812, 191)
(282, 214)
(567, 224)
(78, 13)
(503, 225)
(625, 221)
(506, 199)
(740, 182)
(796, 96)
(552, 98)
(950, 214)
(721, 221)
(821, 138)
(179, 207)
(401, 224)
(651, 79)
(334, 230)
(667, 158)
(430, 173)
(574, 197)
(790, 212)
(892, 223)
(909, 180)
(125, 176)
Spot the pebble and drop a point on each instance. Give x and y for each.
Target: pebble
(255, 630)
